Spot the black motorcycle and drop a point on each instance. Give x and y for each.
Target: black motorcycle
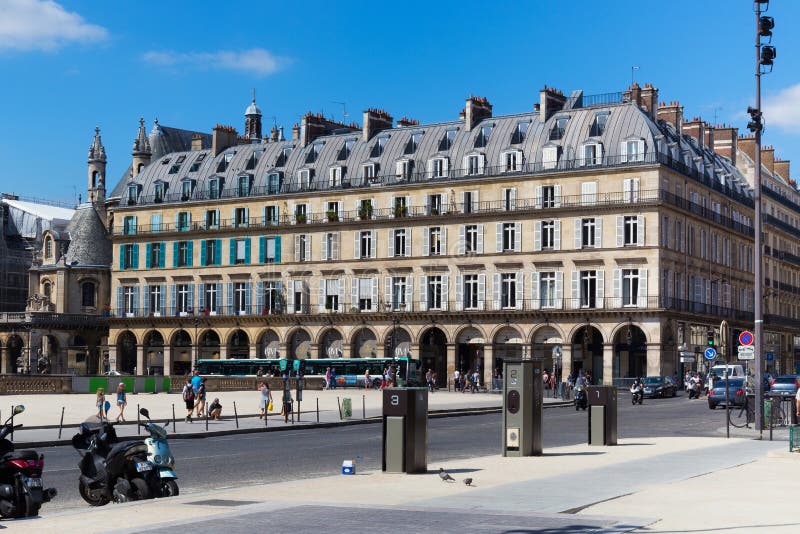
(581, 400)
(21, 489)
(637, 395)
(111, 470)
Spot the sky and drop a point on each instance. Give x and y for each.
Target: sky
(71, 65)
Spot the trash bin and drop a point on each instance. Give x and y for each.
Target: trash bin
(522, 408)
(405, 430)
(602, 402)
(347, 408)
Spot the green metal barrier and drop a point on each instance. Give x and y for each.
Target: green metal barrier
(794, 438)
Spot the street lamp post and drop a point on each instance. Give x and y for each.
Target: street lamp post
(196, 344)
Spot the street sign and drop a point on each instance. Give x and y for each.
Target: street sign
(747, 352)
(296, 365)
(686, 354)
(710, 353)
(687, 359)
(770, 356)
(282, 364)
(746, 338)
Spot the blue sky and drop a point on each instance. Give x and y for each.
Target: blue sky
(70, 65)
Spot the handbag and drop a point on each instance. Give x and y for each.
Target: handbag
(269, 406)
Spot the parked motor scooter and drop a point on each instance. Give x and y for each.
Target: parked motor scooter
(110, 470)
(21, 489)
(581, 400)
(160, 456)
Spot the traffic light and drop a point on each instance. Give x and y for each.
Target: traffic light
(710, 338)
(755, 124)
(765, 26)
(768, 53)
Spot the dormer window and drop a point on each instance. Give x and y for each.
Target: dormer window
(274, 180)
(48, 248)
(520, 132)
(599, 124)
(215, 187)
(335, 175)
(380, 144)
(252, 161)
(512, 161)
(632, 150)
(180, 159)
(592, 154)
(195, 166)
(313, 152)
(473, 164)
(133, 194)
(447, 141)
(243, 186)
(368, 171)
(483, 136)
(438, 167)
(158, 192)
(550, 157)
(187, 187)
(404, 168)
(413, 143)
(558, 129)
(283, 157)
(174, 169)
(304, 178)
(347, 147)
(225, 162)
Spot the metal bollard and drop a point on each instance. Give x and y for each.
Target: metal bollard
(61, 424)
(12, 422)
(235, 414)
(174, 429)
(317, 409)
(138, 421)
(363, 406)
(340, 408)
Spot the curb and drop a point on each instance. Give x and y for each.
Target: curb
(437, 414)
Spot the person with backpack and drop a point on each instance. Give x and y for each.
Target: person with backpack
(188, 398)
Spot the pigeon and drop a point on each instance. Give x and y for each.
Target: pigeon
(445, 476)
(468, 481)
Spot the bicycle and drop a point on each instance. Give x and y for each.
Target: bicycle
(777, 416)
(744, 416)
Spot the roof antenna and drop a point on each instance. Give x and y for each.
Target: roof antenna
(344, 110)
(633, 69)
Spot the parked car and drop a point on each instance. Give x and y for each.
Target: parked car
(659, 386)
(784, 385)
(736, 393)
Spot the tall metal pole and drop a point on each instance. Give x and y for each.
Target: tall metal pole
(759, 279)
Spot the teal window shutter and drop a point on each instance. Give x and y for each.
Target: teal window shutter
(148, 249)
(248, 290)
(262, 249)
(278, 249)
(259, 296)
(233, 252)
(161, 257)
(175, 254)
(122, 257)
(120, 311)
(279, 290)
(247, 251)
(218, 252)
(230, 296)
(135, 256)
(203, 261)
(201, 297)
(145, 301)
(190, 253)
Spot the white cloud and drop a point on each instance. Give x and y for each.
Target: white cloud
(255, 61)
(43, 25)
(783, 109)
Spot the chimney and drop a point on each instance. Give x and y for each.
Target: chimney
(768, 158)
(197, 142)
(725, 141)
(633, 94)
(273, 134)
(747, 144)
(646, 98)
(476, 109)
(695, 129)
(223, 137)
(314, 125)
(405, 122)
(296, 132)
(672, 113)
(708, 137)
(782, 169)
(550, 101)
(375, 120)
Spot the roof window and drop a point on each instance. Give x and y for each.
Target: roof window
(201, 157)
(377, 148)
(560, 126)
(165, 161)
(174, 169)
(483, 136)
(447, 141)
(313, 152)
(347, 147)
(520, 132)
(283, 157)
(413, 143)
(252, 161)
(180, 159)
(599, 124)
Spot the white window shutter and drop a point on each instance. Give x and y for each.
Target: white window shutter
(598, 232)
(520, 289)
(481, 163)
(445, 290)
(373, 244)
(475, 194)
(498, 237)
(409, 293)
(387, 293)
(481, 291)
(512, 196)
(374, 295)
(297, 248)
(623, 152)
(325, 246)
(582, 158)
(290, 296)
(336, 246)
(480, 239)
(391, 243)
(340, 293)
(557, 195)
(640, 142)
(354, 286)
(357, 246)
(642, 297)
(443, 239)
(517, 237)
(535, 303)
(423, 293)
(321, 299)
(617, 289)
(601, 288)
(557, 235)
(430, 168)
(578, 235)
(575, 295)
(496, 292)
(538, 197)
(426, 241)
(559, 290)
(408, 243)
(599, 149)
(620, 230)
(308, 247)
(537, 235)
(640, 230)
(459, 292)
(445, 168)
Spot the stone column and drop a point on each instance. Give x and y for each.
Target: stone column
(566, 360)
(223, 351)
(654, 363)
(451, 363)
(167, 360)
(253, 352)
(608, 364)
(488, 364)
(140, 370)
(112, 359)
(4, 360)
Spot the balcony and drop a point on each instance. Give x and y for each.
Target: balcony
(51, 319)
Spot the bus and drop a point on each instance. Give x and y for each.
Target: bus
(349, 372)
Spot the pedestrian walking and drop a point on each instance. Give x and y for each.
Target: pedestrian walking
(327, 384)
(121, 402)
(188, 398)
(266, 399)
(200, 404)
(456, 379)
(333, 378)
(260, 372)
(367, 380)
(286, 410)
(100, 402)
(429, 379)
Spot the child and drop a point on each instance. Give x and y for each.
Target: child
(287, 405)
(100, 402)
(121, 402)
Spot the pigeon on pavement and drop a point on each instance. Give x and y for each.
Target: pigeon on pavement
(468, 481)
(445, 476)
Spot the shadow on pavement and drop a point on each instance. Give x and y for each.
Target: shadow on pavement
(585, 453)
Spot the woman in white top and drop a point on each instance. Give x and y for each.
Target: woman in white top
(266, 399)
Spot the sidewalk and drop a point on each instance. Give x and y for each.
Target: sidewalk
(43, 412)
(656, 485)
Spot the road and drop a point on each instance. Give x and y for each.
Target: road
(215, 463)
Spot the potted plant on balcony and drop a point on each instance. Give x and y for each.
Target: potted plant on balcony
(365, 211)
(106, 311)
(400, 211)
(332, 216)
(300, 218)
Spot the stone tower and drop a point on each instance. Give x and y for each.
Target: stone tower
(141, 150)
(252, 121)
(97, 170)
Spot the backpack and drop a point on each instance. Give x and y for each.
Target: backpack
(188, 394)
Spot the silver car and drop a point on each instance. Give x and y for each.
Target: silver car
(784, 385)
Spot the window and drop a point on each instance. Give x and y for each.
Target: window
(435, 292)
(400, 207)
(404, 168)
(313, 152)
(331, 295)
(187, 186)
(133, 194)
(332, 211)
(128, 225)
(48, 247)
(174, 169)
(482, 139)
(364, 244)
(194, 167)
(240, 298)
(558, 129)
(469, 202)
(548, 235)
(240, 252)
(631, 230)
(509, 198)
(368, 171)
(88, 295)
(365, 208)
(520, 132)
(509, 237)
(438, 168)
(212, 294)
(364, 289)
(399, 293)
(630, 190)
(271, 296)
(435, 247)
(252, 161)
(225, 162)
(633, 150)
(156, 255)
(599, 125)
(474, 164)
(298, 297)
(435, 204)
(184, 257)
(182, 301)
(472, 239)
(592, 154)
(548, 197)
(183, 220)
(512, 161)
(347, 148)
(240, 217)
(399, 244)
(129, 256)
(271, 215)
(243, 188)
(330, 246)
(215, 188)
(212, 219)
(447, 141)
(508, 290)
(630, 287)
(158, 192)
(588, 289)
(303, 178)
(413, 143)
(302, 247)
(155, 300)
(335, 176)
(274, 180)
(129, 300)
(270, 249)
(588, 233)
(471, 296)
(300, 212)
(550, 157)
(378, 147)
(547, 290)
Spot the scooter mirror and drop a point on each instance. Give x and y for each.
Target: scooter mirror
(144, 412)
(18, 409)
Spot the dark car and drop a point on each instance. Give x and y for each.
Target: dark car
(784, 385)
(736, 393)
(659, 386)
